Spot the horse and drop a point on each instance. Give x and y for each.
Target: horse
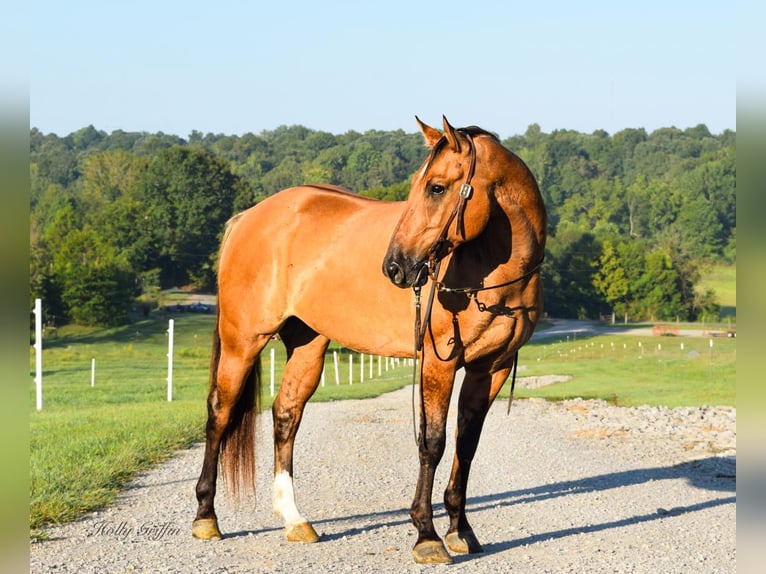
(317, 263)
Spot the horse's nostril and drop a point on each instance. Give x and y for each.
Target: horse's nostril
(395, 273)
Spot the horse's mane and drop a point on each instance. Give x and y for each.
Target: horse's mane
(474, 131)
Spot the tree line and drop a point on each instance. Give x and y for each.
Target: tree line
(117, 217)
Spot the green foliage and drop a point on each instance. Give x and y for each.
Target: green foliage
(98, 294)
(190, 194)
(569, 276)
(157, 202)
(640, 283)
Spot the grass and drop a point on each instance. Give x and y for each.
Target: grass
(629, 371)
(80, 459)
(87, 442)
(722, 280)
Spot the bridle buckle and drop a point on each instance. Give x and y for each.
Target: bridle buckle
(466, 190)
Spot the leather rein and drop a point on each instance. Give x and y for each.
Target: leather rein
(433, 265)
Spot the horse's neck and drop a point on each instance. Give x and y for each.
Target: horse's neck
(522, 205)
(517, 197)
(514, 239)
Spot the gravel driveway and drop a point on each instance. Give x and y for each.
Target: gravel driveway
(578, 486)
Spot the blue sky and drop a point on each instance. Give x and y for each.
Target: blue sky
(336, 65)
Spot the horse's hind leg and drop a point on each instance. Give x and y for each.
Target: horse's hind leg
(478, 391)
(305, 359)
(234, 387)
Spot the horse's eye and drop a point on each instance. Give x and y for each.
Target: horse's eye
(435, 189)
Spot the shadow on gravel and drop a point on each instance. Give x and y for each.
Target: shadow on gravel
(575, 530)
(716, 474)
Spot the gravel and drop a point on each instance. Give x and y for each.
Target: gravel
(577, 486)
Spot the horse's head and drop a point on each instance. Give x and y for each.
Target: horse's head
(443, 210)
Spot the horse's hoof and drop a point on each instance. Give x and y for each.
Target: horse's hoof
(431, 552)
(206, 529)
(302, 532)
(463, 542)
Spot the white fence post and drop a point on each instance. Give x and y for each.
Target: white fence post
(337, 371)
(361, 367)
(170, 359)
(39, 353)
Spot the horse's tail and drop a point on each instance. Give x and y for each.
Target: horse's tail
(237, 451)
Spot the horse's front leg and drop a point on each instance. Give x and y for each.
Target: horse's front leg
(305, 351)
(477, 393)
(436, 390)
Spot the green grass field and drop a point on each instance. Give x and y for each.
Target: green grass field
(629, 371)
(87, 442)
(722, 279)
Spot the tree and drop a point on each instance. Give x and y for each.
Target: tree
(657, 290)
(161, 202)
(113, 203)
(96, 282)
(189, 196)
(568, 276)
(641, 283)
(611, 279)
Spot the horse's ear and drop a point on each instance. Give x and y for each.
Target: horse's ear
(430, 134)
(452, 136)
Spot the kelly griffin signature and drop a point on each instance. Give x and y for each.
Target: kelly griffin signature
(124, 530)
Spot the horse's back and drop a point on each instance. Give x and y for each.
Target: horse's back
(324, 217)
(315, 252)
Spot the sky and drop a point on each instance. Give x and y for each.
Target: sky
(233, 67)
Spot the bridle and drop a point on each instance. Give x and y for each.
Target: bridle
(434, 260)
(433, 265)
(465, 193)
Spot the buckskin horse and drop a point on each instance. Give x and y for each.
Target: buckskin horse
(306, 264)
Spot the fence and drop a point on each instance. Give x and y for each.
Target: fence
(342, 366)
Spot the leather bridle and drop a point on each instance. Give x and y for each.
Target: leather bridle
(434, 258)
(433, 265)
(465, 193)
